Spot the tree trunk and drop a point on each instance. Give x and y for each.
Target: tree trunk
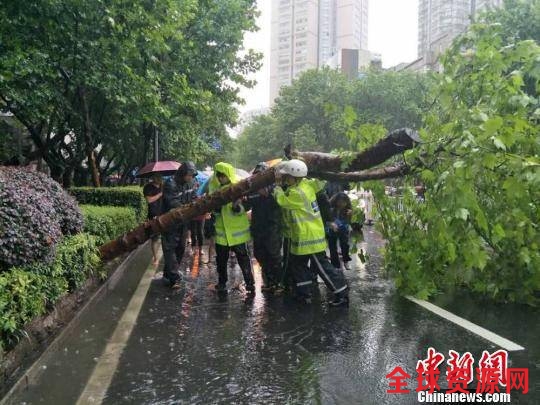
(57, 172)
(394, 143)
(146, 133)
(67, 180)
(184, 214)
(90, 154)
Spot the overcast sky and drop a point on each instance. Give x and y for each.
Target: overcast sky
(392, 33)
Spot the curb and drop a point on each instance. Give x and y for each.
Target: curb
(33, 371)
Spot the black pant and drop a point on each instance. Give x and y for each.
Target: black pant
(244, 261)
(343, 237)
(267, 251)
(196, 228)
(173, 244)
(302, 274)
(286, 273)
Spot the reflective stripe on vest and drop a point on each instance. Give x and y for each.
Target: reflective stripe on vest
(240, 233)
(308, 242)
(304, 283)
(232, 228)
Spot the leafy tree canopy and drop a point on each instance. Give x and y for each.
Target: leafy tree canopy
(323, 111)
(480, 164)
(91, 81)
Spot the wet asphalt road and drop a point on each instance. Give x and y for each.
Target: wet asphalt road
(192, 346)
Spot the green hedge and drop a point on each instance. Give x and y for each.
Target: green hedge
(107, 223)
(26, 292)
(130, 196)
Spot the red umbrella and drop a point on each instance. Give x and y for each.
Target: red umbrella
(164, 167)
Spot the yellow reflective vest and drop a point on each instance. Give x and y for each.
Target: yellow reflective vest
(303, 216)
(232, 228)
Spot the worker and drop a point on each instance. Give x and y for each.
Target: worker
(178, 191)
(266, 233)
(307, 234)
(232, 230)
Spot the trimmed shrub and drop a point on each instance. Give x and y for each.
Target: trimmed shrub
(34, 214)
(26, 292)
(131, 196)
(107, 223)
(22, 297)
(76, 259)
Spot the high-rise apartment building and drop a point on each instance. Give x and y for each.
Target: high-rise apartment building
(306, 33)
(481, 5)
(440, 21)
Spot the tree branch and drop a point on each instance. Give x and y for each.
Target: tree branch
(394, 143)
(387, 172)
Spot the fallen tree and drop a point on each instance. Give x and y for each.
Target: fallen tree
(394, 143)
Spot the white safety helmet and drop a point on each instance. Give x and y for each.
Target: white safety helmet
(293, 167)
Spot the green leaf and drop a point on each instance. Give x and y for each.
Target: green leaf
(462, 213)
(498, 233)
(499, 143)
(493, 124)
(489, 160)
(428, 175)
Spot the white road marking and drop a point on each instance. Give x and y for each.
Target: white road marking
(100, 380)
(471, 327)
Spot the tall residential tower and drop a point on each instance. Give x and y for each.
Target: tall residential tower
(440, 21)
(306, 33)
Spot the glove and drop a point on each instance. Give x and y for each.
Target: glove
(277, 175)
(237, 206)
(333, 226)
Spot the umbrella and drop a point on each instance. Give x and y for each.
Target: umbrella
(164, 167)
(273, 162)
(202, 178)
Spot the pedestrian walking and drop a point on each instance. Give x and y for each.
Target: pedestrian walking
(307, 234)
(209, 229)
(196, 228)
(153, 193)
(232, 230)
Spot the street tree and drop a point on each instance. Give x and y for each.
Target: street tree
(480, 166)
(92, 82)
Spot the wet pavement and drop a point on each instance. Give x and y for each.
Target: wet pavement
(193, 346)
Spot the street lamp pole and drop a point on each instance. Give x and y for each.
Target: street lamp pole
(156, 145)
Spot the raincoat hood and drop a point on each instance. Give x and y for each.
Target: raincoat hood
(225, 168)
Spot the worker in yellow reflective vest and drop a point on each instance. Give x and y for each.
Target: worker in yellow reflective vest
(232, 230)
(307, 235)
